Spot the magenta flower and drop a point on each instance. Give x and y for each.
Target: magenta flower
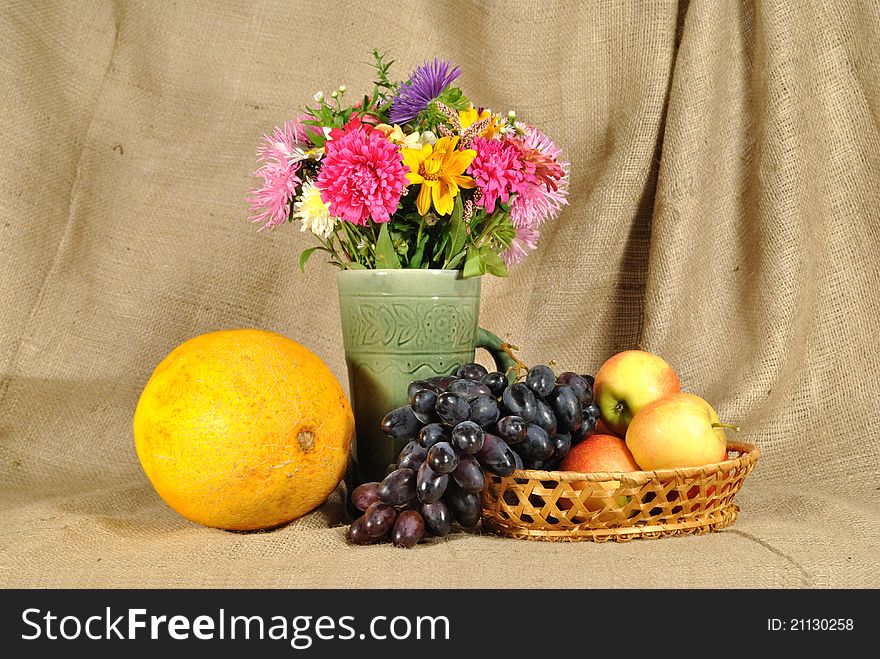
(426, 83)
(362, 176)
(542, 198)
(526, 241)
(499, 170)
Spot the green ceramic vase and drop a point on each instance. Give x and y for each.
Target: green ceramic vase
(399, 326)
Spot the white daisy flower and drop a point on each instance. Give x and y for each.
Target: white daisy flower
(314, 214)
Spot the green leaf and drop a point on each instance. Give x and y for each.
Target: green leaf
(457, 230)
(456, 261)
(440, 246)
(317, 137)
(353, 265)
(416, 260)
(473, 265)
(493, 263)
(304, 256)
(454, 98)
(386, 255)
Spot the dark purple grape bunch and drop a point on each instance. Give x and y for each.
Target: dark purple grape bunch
(439, 474)
(461, 427)
(543, 416)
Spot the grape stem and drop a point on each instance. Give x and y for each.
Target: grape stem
(519, 366)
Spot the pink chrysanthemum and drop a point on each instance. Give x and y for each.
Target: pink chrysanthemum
(540, 199)
(282, 144)
(499, 171)
(525, 242)
(270, 201)
(362, 176)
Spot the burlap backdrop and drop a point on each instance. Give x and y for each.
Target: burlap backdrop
(725, 206)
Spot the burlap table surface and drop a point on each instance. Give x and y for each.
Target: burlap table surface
(725, 213)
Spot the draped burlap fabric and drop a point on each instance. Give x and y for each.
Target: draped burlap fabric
(724, 213)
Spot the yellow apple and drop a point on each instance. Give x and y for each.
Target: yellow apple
(627, 382)
(678, 430)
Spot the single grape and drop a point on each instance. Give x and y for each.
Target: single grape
(512, 429)
(589, 424)
(541, 379)
(561, 444)
(581, 387)
(423, 403)
(430, 485)
(497, 382)
(401, 422)
(593, 410)
(517, 459)
(452, 409)
(565, 404)
(378, 519)
(520, 401)
(412, 456)
(408, 448)
(584, 431)
(437, 518)
(545, 417)
(469, 389)
(484, 411)
(533, 464)
(357, 533)
(365, 494)
(497, 457)
(419, 385)
(469, 475)
(465, 506)
(440, 382)
(443, 458)
(590, 380)
(467, 437)
(408, 529)
(471, 371)
(431, 434)
(537, 445)
(399, 487)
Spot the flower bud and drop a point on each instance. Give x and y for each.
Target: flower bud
(319, 96)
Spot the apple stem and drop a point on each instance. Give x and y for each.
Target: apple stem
(729, 426)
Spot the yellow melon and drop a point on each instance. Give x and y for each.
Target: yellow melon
(243, 429)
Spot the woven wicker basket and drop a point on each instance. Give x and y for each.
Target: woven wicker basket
(568, 506)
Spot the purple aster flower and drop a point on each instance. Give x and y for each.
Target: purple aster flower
(426, 83)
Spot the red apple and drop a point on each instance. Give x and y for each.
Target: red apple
(627, 382)
(678, 430)
(599, 453)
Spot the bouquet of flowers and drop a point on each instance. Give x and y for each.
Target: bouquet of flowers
(413, 175)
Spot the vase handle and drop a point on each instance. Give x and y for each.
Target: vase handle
(495, 347)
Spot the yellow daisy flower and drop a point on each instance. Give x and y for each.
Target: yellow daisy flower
(440, 171)
(470, 116)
